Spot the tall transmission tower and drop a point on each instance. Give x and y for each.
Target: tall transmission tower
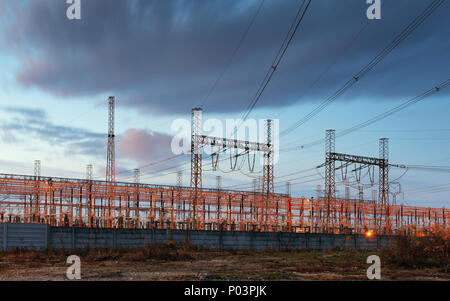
(179, 179)
(110, 165)
(383, 193)
(37, 177)
(196, 158)
(89, 172)
(137, 180)
(137, 175)
(268, 185)
(37, 169)
(330, 184)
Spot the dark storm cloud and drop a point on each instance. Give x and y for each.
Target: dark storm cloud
(163, 56)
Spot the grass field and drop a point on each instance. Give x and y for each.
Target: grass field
(168, 262)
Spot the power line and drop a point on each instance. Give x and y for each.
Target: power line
(334, 62)
(377, 59)
(230, 60)
(281, 52)
(381, 116)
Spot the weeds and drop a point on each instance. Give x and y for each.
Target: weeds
(430, 251)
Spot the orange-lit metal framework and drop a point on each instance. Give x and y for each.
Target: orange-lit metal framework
(84, 203)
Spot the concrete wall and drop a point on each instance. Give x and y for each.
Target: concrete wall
(41, 236)
(31, 236)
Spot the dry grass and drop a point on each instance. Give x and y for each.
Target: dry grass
(411, 252)
(172, 262)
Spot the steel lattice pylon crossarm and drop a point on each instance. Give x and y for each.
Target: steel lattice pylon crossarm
(198, 141)
(331, 157)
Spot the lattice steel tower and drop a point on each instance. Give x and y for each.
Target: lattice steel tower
(137, 180)
(89, 172)
(268, 186)
(330, 184)
(137, 175)
(179, 179)
(196, 149)
(110, 165)
(196, 158)
(37, 169)
(37, 178)
(383, 193)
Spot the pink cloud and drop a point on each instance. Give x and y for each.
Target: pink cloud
(144, 147)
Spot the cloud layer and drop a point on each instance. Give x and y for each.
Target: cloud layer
(144, 147)
(164, 56)
(137, 145)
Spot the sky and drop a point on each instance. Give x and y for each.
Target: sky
(160, 59)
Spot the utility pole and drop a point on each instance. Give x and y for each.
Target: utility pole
(89, 172)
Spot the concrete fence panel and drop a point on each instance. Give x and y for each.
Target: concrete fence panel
(38, 236)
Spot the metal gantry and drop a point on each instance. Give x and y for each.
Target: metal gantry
(198, 141)
(80, 203)
(360, 162)
(110, 204)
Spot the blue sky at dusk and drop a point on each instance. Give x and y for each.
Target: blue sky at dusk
(162, 58)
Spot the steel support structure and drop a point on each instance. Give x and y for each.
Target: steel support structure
(383, 193)
(196, 162)
(198, 141)
(330, 184)
(110, 163)
(89, 172)
(78, 202)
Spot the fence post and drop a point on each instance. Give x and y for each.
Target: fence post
(46, 236)
(5, 236)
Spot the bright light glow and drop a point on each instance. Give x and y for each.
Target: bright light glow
(368, 233)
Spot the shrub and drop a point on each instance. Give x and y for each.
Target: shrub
(420, 252)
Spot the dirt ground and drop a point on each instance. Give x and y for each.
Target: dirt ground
(170, 263)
